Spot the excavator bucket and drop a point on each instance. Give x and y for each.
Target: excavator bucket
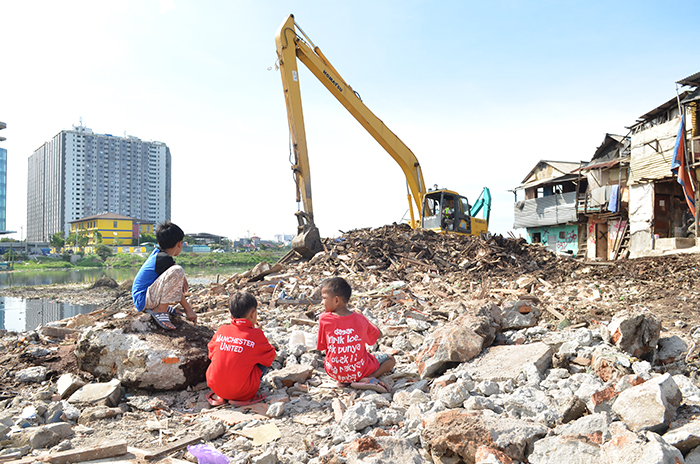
(307, 242)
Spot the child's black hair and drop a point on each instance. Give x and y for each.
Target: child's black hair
(168, 234)
(338, 287)
(240, 304)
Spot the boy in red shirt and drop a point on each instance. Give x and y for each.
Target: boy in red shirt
(343, 334)
(240, 355)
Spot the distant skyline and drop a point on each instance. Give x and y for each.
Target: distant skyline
(480, 92)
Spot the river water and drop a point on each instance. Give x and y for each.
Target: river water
(18, 314)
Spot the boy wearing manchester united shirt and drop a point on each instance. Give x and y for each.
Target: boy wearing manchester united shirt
(240, 355)
(343, 334)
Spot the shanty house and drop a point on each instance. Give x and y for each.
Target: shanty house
(548, 209)
(605, 202)
(659, 214)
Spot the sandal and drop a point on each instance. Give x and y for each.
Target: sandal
(215, 401)
(370, 384)
(160, 318)
(174, 311)
(256, 399)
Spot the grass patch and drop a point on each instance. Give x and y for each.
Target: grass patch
(125, 260)
(91, 260)
(44, 263)
(229, 259)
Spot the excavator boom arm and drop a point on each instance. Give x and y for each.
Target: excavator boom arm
(291, 46)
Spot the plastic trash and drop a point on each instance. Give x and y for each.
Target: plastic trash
(207, 455)
(297, 338)
(310, 340)
(28, 413)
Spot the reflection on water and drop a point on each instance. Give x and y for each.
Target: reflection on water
(19, 315)
(57, 277)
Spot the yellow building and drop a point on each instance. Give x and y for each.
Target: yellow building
(114, 229)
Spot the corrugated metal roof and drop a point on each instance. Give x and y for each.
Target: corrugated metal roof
(660, 109)
(546, 211)
(690, 80)
(556, 180)
(693, 96)
(601, 165)
(564, 167)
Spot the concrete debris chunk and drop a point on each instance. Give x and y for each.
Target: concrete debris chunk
(505, 362)
(107, 394)
(649, 406)
(67, 384)
(635, 332)
(461, 433)
(627, 447)
(458, 341)
(36, 374)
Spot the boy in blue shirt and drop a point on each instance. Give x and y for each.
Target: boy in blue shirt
(160, 282)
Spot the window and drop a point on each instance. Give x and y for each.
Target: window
(115, 224)
(562, 235)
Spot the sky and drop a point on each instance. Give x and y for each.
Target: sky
(479, 91)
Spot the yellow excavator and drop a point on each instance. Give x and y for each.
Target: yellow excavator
(440, 210)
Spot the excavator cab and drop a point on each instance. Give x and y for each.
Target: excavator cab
(445, 211)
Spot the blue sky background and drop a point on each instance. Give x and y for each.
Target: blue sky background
(480, 92)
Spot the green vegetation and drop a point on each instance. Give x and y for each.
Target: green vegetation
(229, 259)
(58, 240)
(103, 251)
(102, 259)
(90, 260)
(125, 260)
(42, 263)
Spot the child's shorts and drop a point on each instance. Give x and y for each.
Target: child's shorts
(263, 370)
(381, 357)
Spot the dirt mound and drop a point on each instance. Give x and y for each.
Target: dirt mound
(105, 281)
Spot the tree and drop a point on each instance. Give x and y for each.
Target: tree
(82, 240)
(103, 251)
(71, 239)
(57, 240)
(98, 237)
(147, 238)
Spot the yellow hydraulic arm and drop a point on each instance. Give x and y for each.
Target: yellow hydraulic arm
(290, 46)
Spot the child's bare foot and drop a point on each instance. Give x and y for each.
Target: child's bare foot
(343, 385)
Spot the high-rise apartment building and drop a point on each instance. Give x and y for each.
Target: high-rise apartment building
(78, 173)
(3, 183)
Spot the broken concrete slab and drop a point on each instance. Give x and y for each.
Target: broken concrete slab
(143, 359)
(67, 384)
(519, 315)
(505, 362)
(34, 374)
(649, 406)
(387, 450)
(635, 332)
(288, 376)
(627, 447)
(459, 341)
(94, 394)
(565, 449)
(685, 438)
(671, 349)
(459, 432)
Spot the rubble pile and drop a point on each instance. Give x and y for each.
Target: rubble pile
(505, 352)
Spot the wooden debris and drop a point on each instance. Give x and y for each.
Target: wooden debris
(105, 450)
(171, 448)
